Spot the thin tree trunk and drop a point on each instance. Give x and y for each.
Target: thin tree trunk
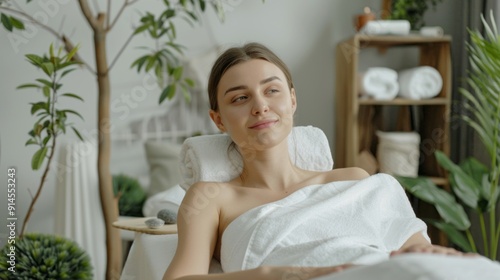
(108, 201)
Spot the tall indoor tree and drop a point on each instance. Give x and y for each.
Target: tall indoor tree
(162, 60)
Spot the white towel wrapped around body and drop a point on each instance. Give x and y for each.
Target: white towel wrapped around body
(420, 82)
(379, 83)
(382, 27)
(358, 222)
(341, 222)
(308, 147)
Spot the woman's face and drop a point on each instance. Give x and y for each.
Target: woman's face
(256, 106)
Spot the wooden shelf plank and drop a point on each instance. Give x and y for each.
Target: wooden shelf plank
(393, 40)
(403, 101)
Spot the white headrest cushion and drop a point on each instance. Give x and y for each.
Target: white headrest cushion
(207, 157)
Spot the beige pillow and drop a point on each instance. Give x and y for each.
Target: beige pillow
(163, 160)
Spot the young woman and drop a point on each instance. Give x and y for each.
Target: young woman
(253, 100)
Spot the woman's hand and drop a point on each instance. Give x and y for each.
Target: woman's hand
(431, 249)
(299, 273)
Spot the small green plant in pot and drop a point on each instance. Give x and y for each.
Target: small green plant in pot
(131, 195)
(411, 10)
(44, 256)
(475, 185)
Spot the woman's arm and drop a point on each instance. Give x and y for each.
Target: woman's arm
(197, 227)
(418, 244)
(270, 273)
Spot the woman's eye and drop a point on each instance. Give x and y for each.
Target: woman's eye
(238, 99)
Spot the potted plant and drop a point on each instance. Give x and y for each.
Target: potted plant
(476, 186)
(35, 255)
(411, 10)
(44, 256)
(131, 195)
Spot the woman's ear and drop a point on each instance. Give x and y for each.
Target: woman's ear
(215, 116)
(294, 99)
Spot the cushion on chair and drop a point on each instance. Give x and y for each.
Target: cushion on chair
(208, 157)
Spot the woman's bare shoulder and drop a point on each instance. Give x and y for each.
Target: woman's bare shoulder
(215, 192)
(347, 174)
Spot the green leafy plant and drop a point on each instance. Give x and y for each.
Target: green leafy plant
(42, 256)
(131, 195)
(411, 10)
(52, 121)
(475, 185)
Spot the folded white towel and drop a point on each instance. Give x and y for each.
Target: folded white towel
(379, 83)
(432, 31)
(169, 199)
(380, 27)
(420, 82)
(208, 158)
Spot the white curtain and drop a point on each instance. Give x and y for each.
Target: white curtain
(78, 212)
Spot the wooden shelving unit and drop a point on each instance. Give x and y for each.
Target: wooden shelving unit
(357, 118)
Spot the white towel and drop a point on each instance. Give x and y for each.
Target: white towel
(341, 222)
(420, 82)
(169, 199)
(432, 31)
(207, 157)
(380, 27)
(379, 83)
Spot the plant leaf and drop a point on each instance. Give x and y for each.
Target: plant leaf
(31, 141)
(77, 133)
(28, 86)
(168, 92)
(38, 158)
(72, 95)
(449, 210)
(455, 236)
(6, 22)
(72, 112)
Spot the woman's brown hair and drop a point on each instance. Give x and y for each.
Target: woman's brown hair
(238, 55)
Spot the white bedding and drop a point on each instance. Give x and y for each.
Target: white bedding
(423, 267)
(358, 222)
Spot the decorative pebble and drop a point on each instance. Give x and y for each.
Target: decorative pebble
(154, 223)
(170, 217)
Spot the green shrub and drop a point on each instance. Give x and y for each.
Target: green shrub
(45, 256)
(132, 195)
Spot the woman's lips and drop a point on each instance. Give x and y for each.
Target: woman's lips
(263, 124)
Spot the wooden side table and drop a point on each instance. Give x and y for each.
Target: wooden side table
(139, 226)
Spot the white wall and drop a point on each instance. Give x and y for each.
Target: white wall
(303, 33)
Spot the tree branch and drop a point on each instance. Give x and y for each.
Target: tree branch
(87, 13)
(68, 46)
(108, 12)
(121, 51)
(125, 4)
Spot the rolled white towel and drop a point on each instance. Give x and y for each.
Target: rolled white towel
(432, 31)
(420, 82)
(380, 27)
(379, 83)
(169, 199)
(207, 157)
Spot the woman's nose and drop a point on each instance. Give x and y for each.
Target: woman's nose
(260, 106)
